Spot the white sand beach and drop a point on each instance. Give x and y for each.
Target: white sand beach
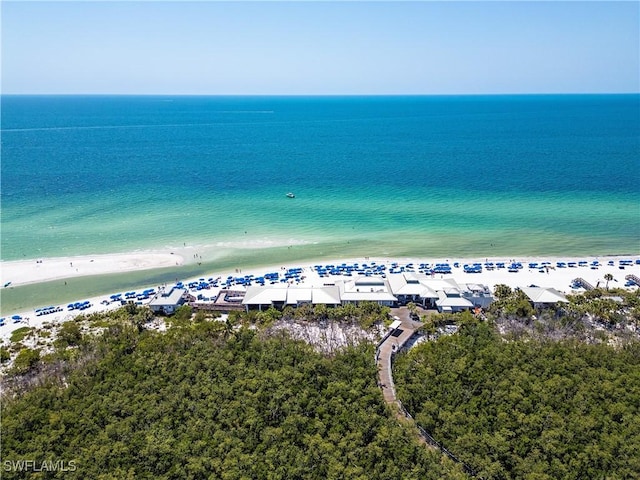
(23, 272)
(556, 277)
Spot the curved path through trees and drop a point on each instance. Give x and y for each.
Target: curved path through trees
(394, 342)
(391, 343)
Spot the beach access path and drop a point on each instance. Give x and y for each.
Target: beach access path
(394, 342)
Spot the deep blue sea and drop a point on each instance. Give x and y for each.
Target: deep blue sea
(427, 176)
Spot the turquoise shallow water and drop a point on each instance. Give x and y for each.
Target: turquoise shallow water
(394, 176)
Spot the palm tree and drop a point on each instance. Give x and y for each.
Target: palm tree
(608, 277)
(413, 310)
(233, 318)
(429, 328)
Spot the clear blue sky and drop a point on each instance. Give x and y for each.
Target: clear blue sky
(295, 48)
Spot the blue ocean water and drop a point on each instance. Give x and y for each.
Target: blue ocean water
(396, 176)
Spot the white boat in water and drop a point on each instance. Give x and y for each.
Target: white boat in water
(291, 195)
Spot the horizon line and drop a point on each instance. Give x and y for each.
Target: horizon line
(106, 94)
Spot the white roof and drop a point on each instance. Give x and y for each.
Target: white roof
(366, 289)
(395, 324)
(326, 295)
(172, 297)
(544, 295)
(407, 284)
(454, 302)
(298, 295)
(428, 292)
(436, 283)
(290, 294)
(475, 287)
(257, 295)
(362, 280)
(452, 292)
(368, 297)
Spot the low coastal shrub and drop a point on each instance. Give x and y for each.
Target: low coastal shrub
(20, 334)
(26, 359)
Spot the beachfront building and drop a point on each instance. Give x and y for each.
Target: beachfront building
(167, 301)
(328, 295)
(409, 287)
(451, 300)
(261, 298)
(226, 301)
(278, 296)
(366, 289)
(466, 296)
(544, 297)
(478, 295)
(445, 294)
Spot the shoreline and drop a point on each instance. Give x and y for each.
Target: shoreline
(558, 278)
(17, 273)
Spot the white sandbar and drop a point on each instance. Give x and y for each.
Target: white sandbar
(23, 272)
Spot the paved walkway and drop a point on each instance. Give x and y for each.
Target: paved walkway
(395, 341)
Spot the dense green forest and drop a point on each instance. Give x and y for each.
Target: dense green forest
(555, 395)
(205, 401)
(527, 408)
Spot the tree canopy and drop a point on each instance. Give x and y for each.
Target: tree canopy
(527, 408)
(195, 403)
